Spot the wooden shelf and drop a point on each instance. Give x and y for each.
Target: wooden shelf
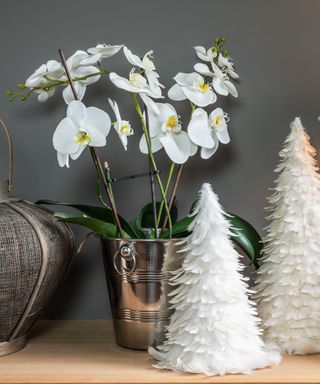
(85, 352)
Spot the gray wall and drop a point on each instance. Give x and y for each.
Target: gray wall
(275, 45)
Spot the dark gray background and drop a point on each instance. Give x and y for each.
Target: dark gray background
(275, 45)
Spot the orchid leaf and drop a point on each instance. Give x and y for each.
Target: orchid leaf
(101, 213)
(145, 216)
(179, 229)
(98, 226)
(243, 234)
(246, 237)
(141, 234)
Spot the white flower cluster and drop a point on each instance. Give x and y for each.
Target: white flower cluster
(81, 65)
(205, 131)
(89, 126)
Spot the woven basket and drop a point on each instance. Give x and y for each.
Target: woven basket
(35, 252)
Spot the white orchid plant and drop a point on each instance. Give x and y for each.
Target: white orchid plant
(161, 128)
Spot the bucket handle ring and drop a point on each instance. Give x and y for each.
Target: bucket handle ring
(127, 251)
(10, 170)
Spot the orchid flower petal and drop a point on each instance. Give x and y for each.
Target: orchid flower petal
(44, 95)
(63, 159)
(90, 59)
(86, 71)
(206, 153)
(36, 77)
(187, 79)
(68, 94)
(219, 86)
(97, 123)
(199, 130)
(175, 93)
(203, 69)
(156, 119)
(115, 109)
(75, 156)
(132, 58)
(177, 146)
(156, 145)
(223, 135)
(201, 99)
(233, 74)
(219, 125)
(149, 103)
(105, 50)
(231, 88)
(76, 112)
(202, 53)
(123, 83)
(63, 137)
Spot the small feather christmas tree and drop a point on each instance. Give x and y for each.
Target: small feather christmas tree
(213, 329)
(288, 283)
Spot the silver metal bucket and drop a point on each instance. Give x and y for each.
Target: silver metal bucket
(137, 274)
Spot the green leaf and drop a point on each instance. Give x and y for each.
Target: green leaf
(145, 216)
(243, 234)
(246, 237)
(141, 234)
(179, 229)
(98, 226)
(101, 213)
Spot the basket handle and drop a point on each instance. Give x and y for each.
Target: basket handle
(10, 170)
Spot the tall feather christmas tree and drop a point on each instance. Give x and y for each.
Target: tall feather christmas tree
(213, 329)
(288, 283)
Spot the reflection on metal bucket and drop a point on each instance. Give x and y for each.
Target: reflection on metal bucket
(137, 274)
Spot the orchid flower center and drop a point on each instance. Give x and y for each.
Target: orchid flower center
(201, 86)
(172, 124)
(217, 120)
(82, 138)
(125, 129)
(137, 80)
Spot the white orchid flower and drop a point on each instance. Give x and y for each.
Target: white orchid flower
(81, 64)
(165, 132)
(207, 131)
(122, 127)
(193, 87)
(40, 78)
(225, 62)
(136, 83)
(149, 69)
(206, 54)
(220, 81)
(82, 127)
(105, 50)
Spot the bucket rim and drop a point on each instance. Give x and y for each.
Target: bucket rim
(175, 239)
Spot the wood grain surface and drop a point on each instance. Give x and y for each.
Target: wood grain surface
(85, 352)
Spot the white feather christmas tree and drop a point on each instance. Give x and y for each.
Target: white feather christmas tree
(288, 283)
(213, 329)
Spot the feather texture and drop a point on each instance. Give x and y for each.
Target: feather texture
(288, 283)
(214, 328)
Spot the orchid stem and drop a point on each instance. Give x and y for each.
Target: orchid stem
(173, 193)
(154, 165)
(151, 178)
(95, 157)
(108, 177)
(166, 191)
